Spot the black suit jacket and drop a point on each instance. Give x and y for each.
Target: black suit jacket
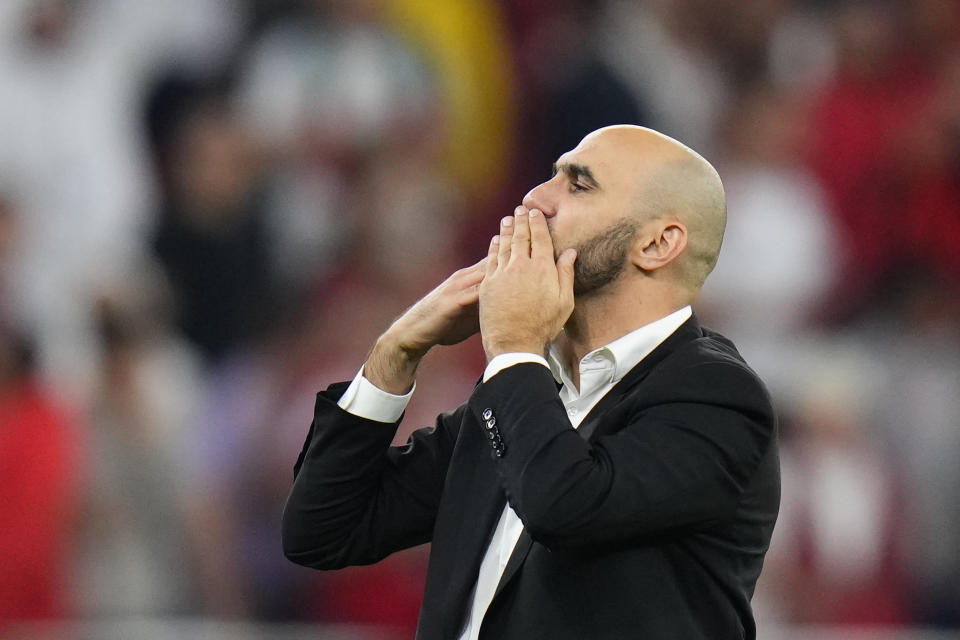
(650, 521)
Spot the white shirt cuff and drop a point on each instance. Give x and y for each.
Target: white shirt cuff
(366, 400)
(505, 360)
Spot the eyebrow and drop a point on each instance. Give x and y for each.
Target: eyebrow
(576, 172)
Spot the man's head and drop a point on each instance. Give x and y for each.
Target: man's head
(634, 202)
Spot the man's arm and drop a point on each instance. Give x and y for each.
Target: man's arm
(355, 499)
(677, 459)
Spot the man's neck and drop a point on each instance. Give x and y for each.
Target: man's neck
(601, 318)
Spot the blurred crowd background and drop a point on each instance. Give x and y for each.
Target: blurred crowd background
(209, 209)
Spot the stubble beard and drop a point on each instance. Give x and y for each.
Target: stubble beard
(602, 257)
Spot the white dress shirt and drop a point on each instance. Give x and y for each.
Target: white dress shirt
(600, 370)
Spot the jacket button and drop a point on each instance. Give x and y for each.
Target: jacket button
(487, 414)
(491, 423)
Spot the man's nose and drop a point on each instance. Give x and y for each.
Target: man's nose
(539, 198)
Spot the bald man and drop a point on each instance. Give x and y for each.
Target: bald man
(614, 474)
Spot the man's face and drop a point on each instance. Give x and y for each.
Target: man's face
(602, 257)
(589, 205)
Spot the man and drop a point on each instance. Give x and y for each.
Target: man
(638, 500)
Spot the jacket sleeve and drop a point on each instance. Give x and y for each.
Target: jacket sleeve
(680, 459)
(355, 499)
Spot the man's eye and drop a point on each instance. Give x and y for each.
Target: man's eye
(576, 186)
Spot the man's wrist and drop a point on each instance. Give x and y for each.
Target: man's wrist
(392, 364)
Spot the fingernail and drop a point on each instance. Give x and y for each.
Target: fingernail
(519, 209)
(495, 240)
(507, 222)
(534, 213)
(521, 212)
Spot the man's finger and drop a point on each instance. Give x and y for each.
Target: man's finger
(506, 233)
(565, 276)
(541, 244)
(479, 265)
(469, 296)
(475, 273)
(521, 234)
(491, 260)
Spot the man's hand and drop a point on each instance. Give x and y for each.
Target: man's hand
(525, 298)
(447, 315)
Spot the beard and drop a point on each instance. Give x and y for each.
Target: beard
(602, 257)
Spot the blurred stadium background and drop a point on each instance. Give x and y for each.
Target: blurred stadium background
(210, 208)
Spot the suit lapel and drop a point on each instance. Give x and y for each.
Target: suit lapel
(689, 330)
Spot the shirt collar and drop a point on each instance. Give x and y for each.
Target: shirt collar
(625, 352)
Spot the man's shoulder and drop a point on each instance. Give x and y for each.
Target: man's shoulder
(703, 346)
(714, 347)
(708, 363)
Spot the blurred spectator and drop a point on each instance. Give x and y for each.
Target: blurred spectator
(918, 416)
(211, 236)
(69, 149)
(135, 552)
(225, 463)
(40, 454)
(72, 71)
(839, 553)
(330, 77)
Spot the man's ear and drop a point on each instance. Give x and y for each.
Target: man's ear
(659, 246)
